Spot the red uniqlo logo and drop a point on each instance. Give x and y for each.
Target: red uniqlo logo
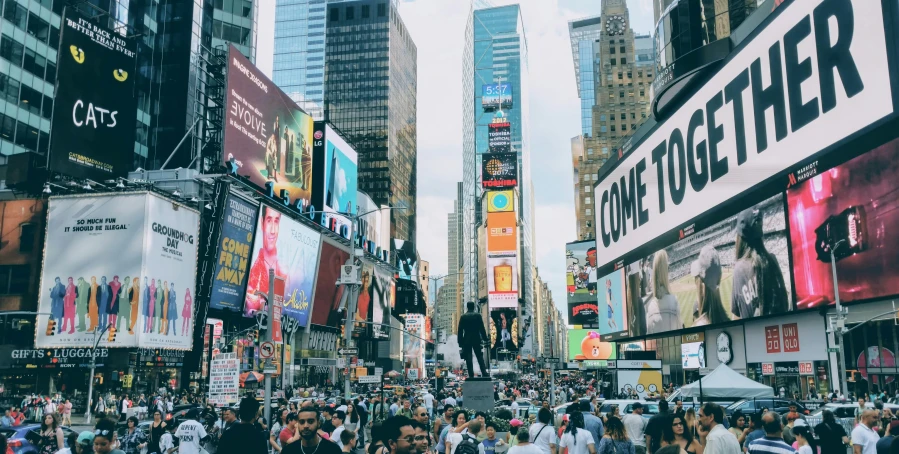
(791, 337)
(767, 368)
(772, 339)
(805, 368)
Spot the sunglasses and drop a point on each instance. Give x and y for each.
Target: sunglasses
(102, 433)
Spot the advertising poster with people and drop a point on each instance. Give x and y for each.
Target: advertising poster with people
(364, 300)
(383, 301)
(853, 204)
(291, 249)
(580, 276)
(233, 261)
(413, 345)
(328, 296)
(266, 134)
(503, 332)
(610, 300)
(142, 292)
(735, 269)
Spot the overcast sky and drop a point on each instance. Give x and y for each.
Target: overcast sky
(438, 29)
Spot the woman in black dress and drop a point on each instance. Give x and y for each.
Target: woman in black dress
(52, 439)
(157, 428)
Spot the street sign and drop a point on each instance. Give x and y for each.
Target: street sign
(379, 371)
(369, 379)
(341, 363)
(348, 351)
(270, 370)
(833, 349)
(267, 350)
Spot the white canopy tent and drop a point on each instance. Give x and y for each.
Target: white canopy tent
(725, 383)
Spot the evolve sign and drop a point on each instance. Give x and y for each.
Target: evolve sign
(815, 75)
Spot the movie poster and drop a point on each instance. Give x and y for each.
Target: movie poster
(580, 275)
(291, 249)
(233, 260)
(383, 300)
(140, 294)
(503, 332)
(328, 295)
(364, 301)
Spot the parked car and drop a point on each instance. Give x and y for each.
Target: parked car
(845, 414)
(25, 439)
(524, 406)
(753, 406)
(625, 406)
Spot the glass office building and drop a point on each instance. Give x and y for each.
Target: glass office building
(370, 90)
(584, 34)
(495, 51)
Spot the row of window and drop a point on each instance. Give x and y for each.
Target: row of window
(350, 12)
(16, 93)
(233, 33)
(19, 16)
(19, 55)
(23, 135)
(242, 8)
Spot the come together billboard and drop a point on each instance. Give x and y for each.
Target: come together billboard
(124, 263)
(291, 249)
(266, 133)
(95, 110)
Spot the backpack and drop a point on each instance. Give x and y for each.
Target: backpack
(469, 445)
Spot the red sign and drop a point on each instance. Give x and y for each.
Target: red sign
(767, 368)
(791, 337)
(279, 305)
(805, 368)
(772, 339)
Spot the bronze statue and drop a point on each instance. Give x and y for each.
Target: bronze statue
(472, 337)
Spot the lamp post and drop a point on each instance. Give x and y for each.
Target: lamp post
(841, 321)
(90, 385)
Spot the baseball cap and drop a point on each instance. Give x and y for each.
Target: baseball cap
(708, 266)
(86, 438)
(516, 422)
(749, 224)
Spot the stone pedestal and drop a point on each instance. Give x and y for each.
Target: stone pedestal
(477, 394)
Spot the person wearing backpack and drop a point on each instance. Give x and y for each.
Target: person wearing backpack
(464, 441)
(542, 434)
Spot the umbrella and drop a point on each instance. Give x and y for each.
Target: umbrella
(393, 373)
(250, 377)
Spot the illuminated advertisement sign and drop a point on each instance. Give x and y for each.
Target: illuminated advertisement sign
(500, 201)
(95, 109)
(499, 170)
(266, 134)
(580, 276)
(502, 232)
(499, 137)
(233, 262)
(336, 176)
(502, 279)
(503, 332)
(610, 301)
(496, 96)
(585, 344)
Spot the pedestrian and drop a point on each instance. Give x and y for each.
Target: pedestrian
(422, 438)
(772, 442)
(615, 440)
(191, 434)
(491, 443)
(864, 438)
(523, 445)
(542, 434)
(636, 427)
(831, 434)
(441, 424)
(656, 426)
(756, 430)
(167, 441)
(462, 440)
(738, 426)
(348, 441)
(309, 427)
(592, 423)
(289, 433)
(6, 420)
(576, 438)
(52, 438)
(718, 439)
(676, 433)
(883, 445)
(133, 440)
(805, 441)
(244, 437)
(157, 428)
(105, 438)
(338, 420)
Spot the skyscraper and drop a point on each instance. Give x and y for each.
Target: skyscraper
(623, 74)
(370, 96)
(584, 35)
(495, 52)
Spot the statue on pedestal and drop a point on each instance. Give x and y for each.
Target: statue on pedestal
(472, 337)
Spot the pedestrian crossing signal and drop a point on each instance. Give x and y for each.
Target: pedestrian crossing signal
(51, 327)
(112, 332)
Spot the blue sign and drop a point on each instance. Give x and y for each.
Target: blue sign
(233, 261)
(496, 96)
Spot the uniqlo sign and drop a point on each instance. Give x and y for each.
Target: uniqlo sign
(805, 368)
(772, 338)
(790, 337)
(767, 368)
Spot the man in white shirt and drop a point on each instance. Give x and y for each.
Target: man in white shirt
(636, 426)
(429, 403)
(450, 400)
(514, 407)
(542, 434)
(453, 439)
(190, 434)
(718, 440)
(864, 438)
(338, 419)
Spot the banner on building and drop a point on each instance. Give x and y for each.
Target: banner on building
(266, 134)
(496, 96)
(95, 108)
(502, 279)
(383, 297)
(328, 296)
(336, 175)
(585, 344)
(499, 137)
(500, 201)
(124, 263)
(291, 249)
(233, 260)
(503, 332)
(499, 170)
(414, 345)
(502, 231)
(406, 258)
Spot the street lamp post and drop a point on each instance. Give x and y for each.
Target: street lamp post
(90, 386)
(841, 321)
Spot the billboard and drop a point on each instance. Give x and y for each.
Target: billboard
(496, 96)
(499, 137)
(585, 344)
(580, 276)
(409, 298)
(291, 249)
(742, 263)
(692, 355)
(336, 175)
(95, 110)
(142, 288)
(413, 344)
(266, 133)
(689, 163)
(502, 231)
(406, 259)
(233, 261)
(610, 301)
(854, 202)
(643, 381)
(375, 226)
(500, 201)
(383, 302)
(502, 279)
(363, 301)
(328, 295)
(499, 170)
(503, 332)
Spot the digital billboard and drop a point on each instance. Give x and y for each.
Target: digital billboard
(384, 290)
(363, 301)
(291, 249)
(328, 296)
(413, 343)
(610, 301)
(585, 344)
(499, 170)
(692, 355)
(499, 137)
(336, 175)
(500, 201)
(502, 232)
(233, 260)
(580, 276)
(855, 203)
(406, 258)
(503, 332)
(142, 289)
(737, 268)
(95, 109)
(496, 96)
(502, 279)
(267, 135)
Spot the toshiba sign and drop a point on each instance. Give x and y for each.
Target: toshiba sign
(816, 74)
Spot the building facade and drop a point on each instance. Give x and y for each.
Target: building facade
(584, 34)
(370, 96)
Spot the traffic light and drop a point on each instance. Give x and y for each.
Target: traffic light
(51, 326)
(111, 334)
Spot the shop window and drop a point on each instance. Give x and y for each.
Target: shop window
(14, 279)
(27, 232)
